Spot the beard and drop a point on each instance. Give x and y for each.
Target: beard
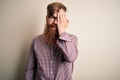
(51, 34)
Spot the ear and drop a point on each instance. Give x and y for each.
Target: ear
(46, 19)
(46, 16)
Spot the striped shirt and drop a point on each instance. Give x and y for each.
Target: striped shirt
(52, 63)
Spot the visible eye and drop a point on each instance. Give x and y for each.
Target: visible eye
(52, 17)
(55, 17)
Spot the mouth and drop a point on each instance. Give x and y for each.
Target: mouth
(54, 27)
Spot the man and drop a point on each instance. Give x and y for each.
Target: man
(52, 54)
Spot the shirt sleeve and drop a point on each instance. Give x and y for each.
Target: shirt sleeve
(31, 64)
(68, 43)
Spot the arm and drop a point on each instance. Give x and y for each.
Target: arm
(31, 64)
(67, 42)
(69, 46)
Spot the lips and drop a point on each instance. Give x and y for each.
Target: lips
(54, 26)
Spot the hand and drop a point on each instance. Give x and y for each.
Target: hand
(62, 21)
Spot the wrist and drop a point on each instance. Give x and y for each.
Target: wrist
(60, 32)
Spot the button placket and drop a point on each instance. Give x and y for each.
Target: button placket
(51, 64)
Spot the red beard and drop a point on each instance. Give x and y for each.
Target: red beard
(51, 34)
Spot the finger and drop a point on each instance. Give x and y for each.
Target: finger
(58, 16)
(64, 16)
(61, 15)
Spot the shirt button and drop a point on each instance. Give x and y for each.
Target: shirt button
(51, 72)
(51, 61)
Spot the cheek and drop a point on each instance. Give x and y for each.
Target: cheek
(49, 21)
(56, 21)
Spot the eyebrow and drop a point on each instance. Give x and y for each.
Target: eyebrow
(53, 17)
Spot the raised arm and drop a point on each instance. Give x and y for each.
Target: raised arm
(68, 43)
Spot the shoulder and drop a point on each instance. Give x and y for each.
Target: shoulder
(38, 39)
(68, 37)
(72, 36)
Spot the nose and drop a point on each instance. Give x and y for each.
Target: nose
(55, 21)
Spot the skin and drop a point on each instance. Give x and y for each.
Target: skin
(60, 20)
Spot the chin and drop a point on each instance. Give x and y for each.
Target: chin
(54, 28)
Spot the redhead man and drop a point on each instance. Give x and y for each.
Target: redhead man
(52, 54)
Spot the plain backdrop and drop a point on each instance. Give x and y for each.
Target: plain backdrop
(96, 23)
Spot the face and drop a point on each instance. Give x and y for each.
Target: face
(51, 32)
(52, 20)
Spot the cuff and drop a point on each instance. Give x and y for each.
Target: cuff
(65, 36)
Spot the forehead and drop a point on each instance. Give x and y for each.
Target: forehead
(55, 14)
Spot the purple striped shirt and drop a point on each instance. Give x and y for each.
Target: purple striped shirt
(52, 63)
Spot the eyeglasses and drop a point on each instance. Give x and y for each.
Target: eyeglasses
(52, 18)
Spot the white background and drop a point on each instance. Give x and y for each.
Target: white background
(96, 23)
